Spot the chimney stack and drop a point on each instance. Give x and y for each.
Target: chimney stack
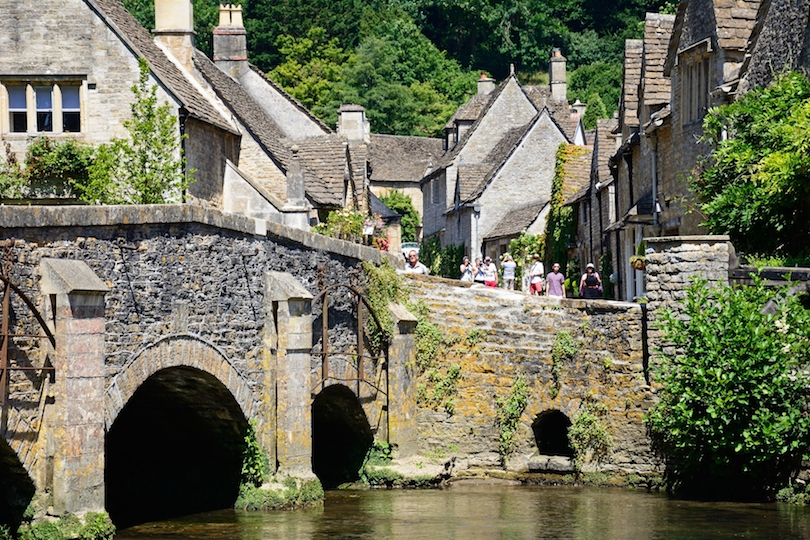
(578, 108)
(556, 75)
(352, 123)
(174, 29)
(230, 40)
(485, 85)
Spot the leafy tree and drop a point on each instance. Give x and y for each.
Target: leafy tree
(146, 168)
(403, 205)
(756, 181)
(312, 65)
(732, 417)
(594, 111)
(604, 79)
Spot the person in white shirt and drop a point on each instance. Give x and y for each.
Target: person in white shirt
(414, 266)
(509, 265)
(490, 273)
(536, 276)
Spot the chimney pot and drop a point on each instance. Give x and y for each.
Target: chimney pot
(230, 40)
(485, 85)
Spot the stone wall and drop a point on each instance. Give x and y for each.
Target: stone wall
(514, 335)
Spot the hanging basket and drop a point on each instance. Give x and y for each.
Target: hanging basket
(638, 263)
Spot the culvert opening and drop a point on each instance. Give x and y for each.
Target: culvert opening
(341, 436)
(174, 449)
(16, 488)
(551, 434)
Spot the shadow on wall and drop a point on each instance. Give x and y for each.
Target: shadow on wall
(341, 436)
(16, 488)
(175, 449)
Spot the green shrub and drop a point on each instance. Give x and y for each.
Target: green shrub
(255, 463)
(442, 262)
(588, 434)
(507, 413)
(732, 415)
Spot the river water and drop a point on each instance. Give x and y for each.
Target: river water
(473, 512)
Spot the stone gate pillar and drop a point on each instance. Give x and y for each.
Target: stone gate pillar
(76, 432)
(291, 307)
(401, 391)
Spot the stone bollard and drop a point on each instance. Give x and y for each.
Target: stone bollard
(76, 426)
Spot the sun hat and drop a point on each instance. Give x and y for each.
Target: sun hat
(590, 265)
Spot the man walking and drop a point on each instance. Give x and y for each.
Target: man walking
(555, 282)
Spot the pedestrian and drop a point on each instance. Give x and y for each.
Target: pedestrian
(466, 270)
(509, 265)
(490, 273)
(555, 282)
(590, 285)
(478, 272)
(536, 275)
(414, 266)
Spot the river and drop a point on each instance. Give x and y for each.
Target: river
(472, 512)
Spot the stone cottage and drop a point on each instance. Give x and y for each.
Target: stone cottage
(500, 158)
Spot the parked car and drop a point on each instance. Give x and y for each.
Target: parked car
(407, 247)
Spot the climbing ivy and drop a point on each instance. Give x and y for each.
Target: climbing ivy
(507, 414)
(588, 434)
(564, 349)
(383, 286)
(560, 225)
(255, 464)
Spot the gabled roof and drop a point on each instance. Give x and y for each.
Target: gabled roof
(657, 31)
(517, 220)
(324, 161)
(631, 78)
(378, 207)
(137, 38)
(300, 106)
(605, 147)
(450, 155)
(559, 109)
(470, 177)
(263, 128)
(396, 158)
(470, 111)
(581, 195)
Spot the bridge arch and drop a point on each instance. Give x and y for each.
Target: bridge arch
(341, 436)
(551, 433)
(180, 350)
(175, 431)
(16, 487)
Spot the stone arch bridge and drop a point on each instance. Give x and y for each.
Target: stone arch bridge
(176, 326)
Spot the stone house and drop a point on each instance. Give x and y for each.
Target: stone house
(500, 149)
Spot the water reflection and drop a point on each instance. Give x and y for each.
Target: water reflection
(495, 512)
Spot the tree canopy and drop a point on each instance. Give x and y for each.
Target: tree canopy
(755, 183)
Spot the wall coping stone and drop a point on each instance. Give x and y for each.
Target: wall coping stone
(67, 276)
(43, 217)
(717, 238)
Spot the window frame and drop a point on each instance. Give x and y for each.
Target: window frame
(43, 116)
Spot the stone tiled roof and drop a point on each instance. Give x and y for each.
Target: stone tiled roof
(288, 97)
(263, 128)
(560, 110)
(735, 19)
(324, 161)
(450, 155)
(517, 220)
(657, 31)
(605, 147)
(470, 111)
(378, 207)
(581, 194)
(140, 41)
(470, 177)
(497, 156)
(396, 158)
(576, 169)
(631, 77)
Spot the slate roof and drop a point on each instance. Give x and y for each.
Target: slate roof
(657, 31)
(324, 161)
(396, 158)
(140, 41)
(517, 220)
(582, 194)
(263, 128)
(300, 106)
(470, 177)
(631, 78)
